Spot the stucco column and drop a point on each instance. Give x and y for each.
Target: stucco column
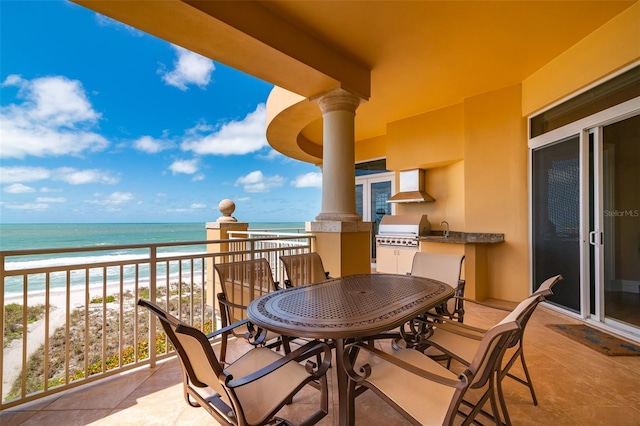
(343, 240)
(338, 156)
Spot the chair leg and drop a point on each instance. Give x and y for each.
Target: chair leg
(528, 383)
(223, 348)
(503, 403)
(494, 406)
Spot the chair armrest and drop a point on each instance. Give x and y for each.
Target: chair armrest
(226, 329)
(461, 329)
(308, 350)
(366, 369)
(222, 300)
(443, 322)
(487, 305)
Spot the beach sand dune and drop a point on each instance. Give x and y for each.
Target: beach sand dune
(13, 354)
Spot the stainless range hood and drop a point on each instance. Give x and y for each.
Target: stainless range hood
(411, 188)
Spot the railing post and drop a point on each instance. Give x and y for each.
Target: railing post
(153, 257)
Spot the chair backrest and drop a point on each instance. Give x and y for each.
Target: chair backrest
(244, 281)
(485, 361)
(493, 345)
(446, 268)
(194, 350)
(522, 313)
(547, 285)
(441, 267)
(304, 268)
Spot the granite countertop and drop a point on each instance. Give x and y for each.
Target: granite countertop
(463, 238)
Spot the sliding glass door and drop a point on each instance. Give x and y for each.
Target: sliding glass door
(614, 235)
(585, 221)
(556, 219)
(585, 203)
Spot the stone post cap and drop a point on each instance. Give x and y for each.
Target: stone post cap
(226, 207)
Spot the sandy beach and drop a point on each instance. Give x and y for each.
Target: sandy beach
(58, 298)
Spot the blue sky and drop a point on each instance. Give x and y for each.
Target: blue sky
(100, 122)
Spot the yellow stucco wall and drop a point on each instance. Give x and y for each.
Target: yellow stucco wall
(428, 140)
(370, 149)
(611, 47)
(496, 190)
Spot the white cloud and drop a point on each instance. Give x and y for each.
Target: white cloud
(272, 155)
(79, 177)
(23, 174)
(198, 206)
(28, 206)
(150, 145)
(105, 21)
(65, 174)
(232, 138)
(51, 199)
(257, 182)
(189, 68)
(54, 119)
(187, 167)
(12, 80)
(116, 198)
(47, 189)
(308, 180)
(198, 177)
(18, 188)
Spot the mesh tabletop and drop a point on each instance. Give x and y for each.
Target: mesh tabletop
(351, 306)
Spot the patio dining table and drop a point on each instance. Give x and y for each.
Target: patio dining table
(350, 307)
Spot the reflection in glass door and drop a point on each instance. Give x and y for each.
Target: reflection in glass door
(556, 219)
(615, 231)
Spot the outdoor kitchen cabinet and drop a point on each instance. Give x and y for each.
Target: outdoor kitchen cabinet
(394, 259)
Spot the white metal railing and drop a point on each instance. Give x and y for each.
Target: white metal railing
(70, 315)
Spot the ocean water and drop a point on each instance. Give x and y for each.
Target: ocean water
(49, 236)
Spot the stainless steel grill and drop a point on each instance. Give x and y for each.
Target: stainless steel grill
(402, 230)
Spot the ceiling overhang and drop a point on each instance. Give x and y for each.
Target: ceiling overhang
(246, 36)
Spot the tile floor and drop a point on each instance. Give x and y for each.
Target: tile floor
(575, 386)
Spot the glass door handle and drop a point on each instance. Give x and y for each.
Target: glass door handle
(592, 238)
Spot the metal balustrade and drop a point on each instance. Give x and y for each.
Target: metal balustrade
(70, 314)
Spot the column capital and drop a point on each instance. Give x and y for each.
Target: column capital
(337, 100)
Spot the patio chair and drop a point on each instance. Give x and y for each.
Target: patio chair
(421, 389)
(445, 268)
(242, 282)
(251, 390)
(460, 341)
(303, 268)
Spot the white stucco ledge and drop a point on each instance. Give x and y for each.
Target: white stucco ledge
(337, 226)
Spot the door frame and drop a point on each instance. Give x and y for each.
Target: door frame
(365, 181)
